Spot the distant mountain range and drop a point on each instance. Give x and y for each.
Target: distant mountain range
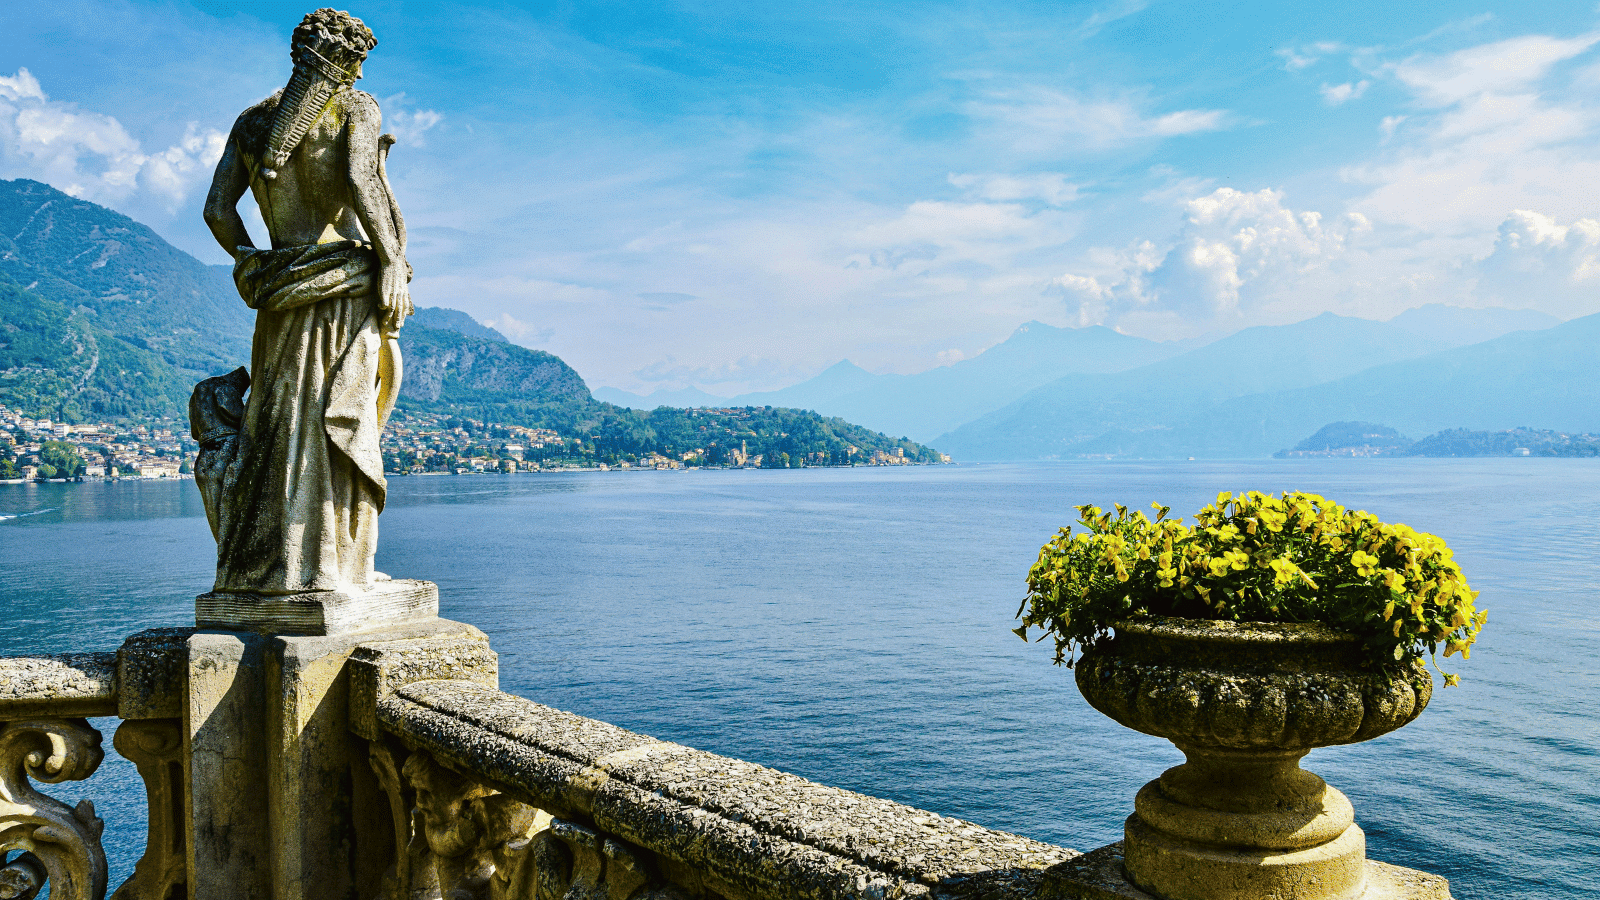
(100, 318)
(1090, 392)
(1265, 389)
(927, 404)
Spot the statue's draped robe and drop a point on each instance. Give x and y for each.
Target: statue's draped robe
(302, 495)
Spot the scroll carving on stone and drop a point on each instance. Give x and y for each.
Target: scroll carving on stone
(52, 839)
(156, 748)
(292, 475)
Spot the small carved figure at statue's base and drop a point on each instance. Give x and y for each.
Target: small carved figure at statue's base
(292, 474)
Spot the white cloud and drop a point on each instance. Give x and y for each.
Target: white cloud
(1495, 128)
(1237, 258)
(1297, 58)
(1042, 119)
(1340, 94)
(933, 232)
(520, 332)
(1118, 9)
(92, 156)
(1052, 188)
(409, 126)
(1506, 66)
(1539, 263)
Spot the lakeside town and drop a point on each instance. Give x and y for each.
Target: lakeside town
(414, 444)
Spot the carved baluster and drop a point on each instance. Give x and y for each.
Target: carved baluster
(66, 840)
(411, 877)
(156, 748)
(467, 828)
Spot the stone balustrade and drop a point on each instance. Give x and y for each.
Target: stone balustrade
(387, 765)
(567, 803)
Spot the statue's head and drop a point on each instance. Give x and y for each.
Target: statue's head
(328, 48)
(332, 43)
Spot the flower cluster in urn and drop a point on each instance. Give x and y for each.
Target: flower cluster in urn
(1254, 558)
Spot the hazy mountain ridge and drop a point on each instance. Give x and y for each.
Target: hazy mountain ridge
(1115, 414)
(1541, 379)
(934, 401)
(455, 320)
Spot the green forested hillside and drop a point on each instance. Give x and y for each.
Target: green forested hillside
(448, 373)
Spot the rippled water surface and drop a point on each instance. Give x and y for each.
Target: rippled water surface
(852, 626)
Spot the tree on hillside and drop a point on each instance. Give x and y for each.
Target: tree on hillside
(62, 457)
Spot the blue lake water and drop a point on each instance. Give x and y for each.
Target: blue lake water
(852, 626)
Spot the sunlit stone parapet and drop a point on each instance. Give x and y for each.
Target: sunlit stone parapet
(497, 796)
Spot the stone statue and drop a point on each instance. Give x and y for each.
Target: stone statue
(293, 476)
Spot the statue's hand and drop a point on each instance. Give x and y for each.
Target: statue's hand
(393, 298)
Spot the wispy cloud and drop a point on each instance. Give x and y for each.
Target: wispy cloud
(1505, 67)
(1052, 188)
(1046, 119)
(1340, 94)
(1100, 18)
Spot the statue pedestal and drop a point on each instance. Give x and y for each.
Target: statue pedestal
(384, 604)
(282, 802)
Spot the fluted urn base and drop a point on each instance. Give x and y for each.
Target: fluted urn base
(1231, 825)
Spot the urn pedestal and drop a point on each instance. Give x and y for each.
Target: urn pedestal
(1240, 820)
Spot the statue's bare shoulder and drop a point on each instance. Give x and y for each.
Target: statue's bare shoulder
(250, 130)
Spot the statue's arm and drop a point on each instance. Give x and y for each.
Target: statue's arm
(372, 203)
(231, 180)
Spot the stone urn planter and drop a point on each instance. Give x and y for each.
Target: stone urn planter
(1244, 702)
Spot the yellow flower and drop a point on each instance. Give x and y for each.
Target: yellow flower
(1365, 563)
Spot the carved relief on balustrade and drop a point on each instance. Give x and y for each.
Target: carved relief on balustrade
(460, 840)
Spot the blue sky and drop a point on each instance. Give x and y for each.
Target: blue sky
(737, 195)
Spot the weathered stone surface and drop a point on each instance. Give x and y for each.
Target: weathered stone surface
(385, 604)
(67, 685)
(293, 476)
(64, 840)
(749, 830)
(314, 758)
(378, 669)
(152, 669)
(1247, 685)
(1098, 875)
(225, 753)
(1245, 701)
(156, 747)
